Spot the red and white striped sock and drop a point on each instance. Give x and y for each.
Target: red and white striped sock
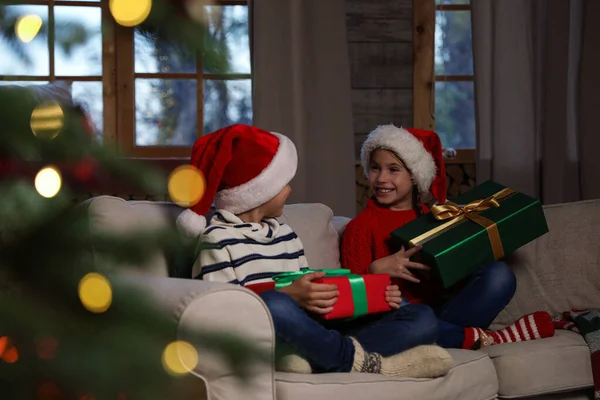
(529, 327)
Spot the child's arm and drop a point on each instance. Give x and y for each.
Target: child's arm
(357, 251)
(214, 264)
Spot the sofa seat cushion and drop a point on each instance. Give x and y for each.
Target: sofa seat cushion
(472, 377)
(551, 365)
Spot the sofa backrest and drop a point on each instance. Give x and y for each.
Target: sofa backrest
(314, 223)
(561, 270)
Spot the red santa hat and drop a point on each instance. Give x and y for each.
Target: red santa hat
(244, 167)
(420, 150)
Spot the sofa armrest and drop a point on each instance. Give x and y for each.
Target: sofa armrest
(216, 307)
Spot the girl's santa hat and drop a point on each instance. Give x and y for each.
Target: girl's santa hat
(420, 150)
(244, 167)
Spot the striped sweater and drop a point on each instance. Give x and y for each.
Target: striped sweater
(241, 253)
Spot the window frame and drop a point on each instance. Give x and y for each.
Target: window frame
(118, 82)
(424, 77)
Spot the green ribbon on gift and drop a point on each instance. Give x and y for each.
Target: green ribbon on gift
(357, 285)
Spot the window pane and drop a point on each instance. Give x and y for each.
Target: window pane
(228, 27)
(453, 46)
(19, 58)
(89, 96)
(78, 45)
(154, 54)
(227, 103)
(455, 114)
(166, 112)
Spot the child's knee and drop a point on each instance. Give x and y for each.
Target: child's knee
(502, 278)
(425, 322)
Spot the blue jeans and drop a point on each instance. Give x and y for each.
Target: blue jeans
(327, 345)
(486, 293)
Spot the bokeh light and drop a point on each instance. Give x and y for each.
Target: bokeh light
(3, 344)
(47, 120)
(95, 292)
(49, 391)
(179, 358)
(199, 12)
(48, 182)
(186, 185)
(27, 27)
(8, 352)
(130, 12)
(46, 347)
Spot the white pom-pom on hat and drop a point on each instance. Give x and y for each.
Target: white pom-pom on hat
(190, 223)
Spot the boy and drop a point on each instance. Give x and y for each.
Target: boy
(247, 173)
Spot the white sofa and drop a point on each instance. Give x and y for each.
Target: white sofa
(559, 271)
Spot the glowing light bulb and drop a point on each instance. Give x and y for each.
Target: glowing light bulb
(47, 120)
(27, 27)
(48, 182)
(130, 12)
(95, 292)
(179, 358)
(186, 185)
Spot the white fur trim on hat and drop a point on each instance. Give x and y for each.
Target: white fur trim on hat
(410, 150)
(190, 223)
(266, 185)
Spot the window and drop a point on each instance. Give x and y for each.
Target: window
(148, 97)
(445, 94)
(69, 47)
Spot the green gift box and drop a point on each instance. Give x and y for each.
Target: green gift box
(480, 226)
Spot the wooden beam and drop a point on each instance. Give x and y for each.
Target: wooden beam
(423, 54)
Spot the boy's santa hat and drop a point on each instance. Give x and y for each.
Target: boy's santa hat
(244, 167)
(420, 150)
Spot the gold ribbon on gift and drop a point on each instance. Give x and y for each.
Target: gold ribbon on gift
(456, 213)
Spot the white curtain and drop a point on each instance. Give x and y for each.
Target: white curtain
(536, 83)
(301, 81)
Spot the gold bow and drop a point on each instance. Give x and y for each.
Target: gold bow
(456, 213)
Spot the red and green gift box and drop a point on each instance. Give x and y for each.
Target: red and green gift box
(359, 294)
(474, 229)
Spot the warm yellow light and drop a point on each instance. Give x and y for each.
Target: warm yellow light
(27, 27)
(95, 292)
(47, 120)
(130, 12)
(179, 358)
(186, 185)
(48, 181)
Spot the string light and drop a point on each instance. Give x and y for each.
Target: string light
(95, 292)
(48, 182)
(186, 185)
(47, 120)
(179, 358)
(130, 13)
(27, 27)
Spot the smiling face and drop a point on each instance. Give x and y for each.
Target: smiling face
(390, 180)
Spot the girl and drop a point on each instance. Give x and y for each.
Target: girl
(403, 166)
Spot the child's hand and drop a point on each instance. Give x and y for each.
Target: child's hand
(318, 298)
(393, 296)
(397, 265)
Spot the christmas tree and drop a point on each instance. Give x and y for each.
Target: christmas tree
(70, 327)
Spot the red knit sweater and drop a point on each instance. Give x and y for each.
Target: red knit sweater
(368, 238)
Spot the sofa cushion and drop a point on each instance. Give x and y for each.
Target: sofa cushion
(313, 223)
(472, 377)
(561, 270)
(551, 365)
(115, 215)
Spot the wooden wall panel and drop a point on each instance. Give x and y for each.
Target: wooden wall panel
(379, 20)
